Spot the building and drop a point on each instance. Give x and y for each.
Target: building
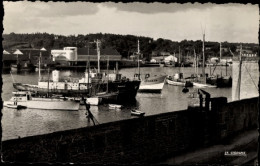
(28, 55)
(170, 58)
(79, 57)
(67, 54)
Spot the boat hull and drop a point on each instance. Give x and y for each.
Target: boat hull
(11, 105)
(93, 101)
(114, 106)
(152, 84)
(126, 90)
(220, 81)
(200, 85)
(137, 113)
(47, 104)
(175, 83)
(151, 88)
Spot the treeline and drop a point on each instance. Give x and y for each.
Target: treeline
(126, 45)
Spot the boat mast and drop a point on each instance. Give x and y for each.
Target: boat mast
(179, 58)
(138, 54)
(220, 54)
(226, 66)
(116, 67)
(98, 53)
(195, 61)
(239, 74)
(203, 62)
(40, 65)
(88, 77)
(48, 81)
(107, 71)
(42, 49)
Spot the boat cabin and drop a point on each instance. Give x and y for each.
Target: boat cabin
(21, 96)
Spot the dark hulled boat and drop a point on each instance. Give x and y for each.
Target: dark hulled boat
(125, 89)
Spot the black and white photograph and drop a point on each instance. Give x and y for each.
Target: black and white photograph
(130, 83)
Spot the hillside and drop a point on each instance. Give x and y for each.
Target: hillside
(126, 45)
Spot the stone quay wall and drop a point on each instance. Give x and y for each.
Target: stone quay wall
(139, 140)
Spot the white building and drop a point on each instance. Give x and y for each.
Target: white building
(170, 58)
(67, 54)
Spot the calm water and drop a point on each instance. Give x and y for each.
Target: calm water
(27, 122)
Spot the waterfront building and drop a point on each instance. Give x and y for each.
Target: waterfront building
(245, 77)
(28, 54)
(73, 56)
(170, 58)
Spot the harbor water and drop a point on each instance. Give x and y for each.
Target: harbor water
(28, 122)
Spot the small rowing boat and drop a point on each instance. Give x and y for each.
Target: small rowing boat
(137, 113)
(201, 85)
(114, 106)
(15, 106)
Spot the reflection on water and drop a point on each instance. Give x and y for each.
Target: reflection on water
(27, 122)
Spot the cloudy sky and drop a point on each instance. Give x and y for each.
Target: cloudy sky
(222, 22)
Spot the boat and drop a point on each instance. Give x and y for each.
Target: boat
(202, 85)
(149, 84)
(26, 66)
(89, 85)
(89, 100)
(25, 98)
(219, 80)
(172, 82)
(178, 81)
(224, 81)
(152, 83)
(114, 106)
(199, 81)
(107, 97)
(137, 113)
(15, 106)
(169, 64)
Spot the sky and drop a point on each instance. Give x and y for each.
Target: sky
(230, 22)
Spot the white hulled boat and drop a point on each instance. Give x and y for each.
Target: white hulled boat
(25, 99)
(152, 84)
(137, 113)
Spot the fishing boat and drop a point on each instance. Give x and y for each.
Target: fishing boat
(149, 83)
(25, 98)
(177, 79)
(224, 81)
(89, 85)
(219, 80)
(199, 81)
(152, 83)
(114, 106)
(137, 113)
